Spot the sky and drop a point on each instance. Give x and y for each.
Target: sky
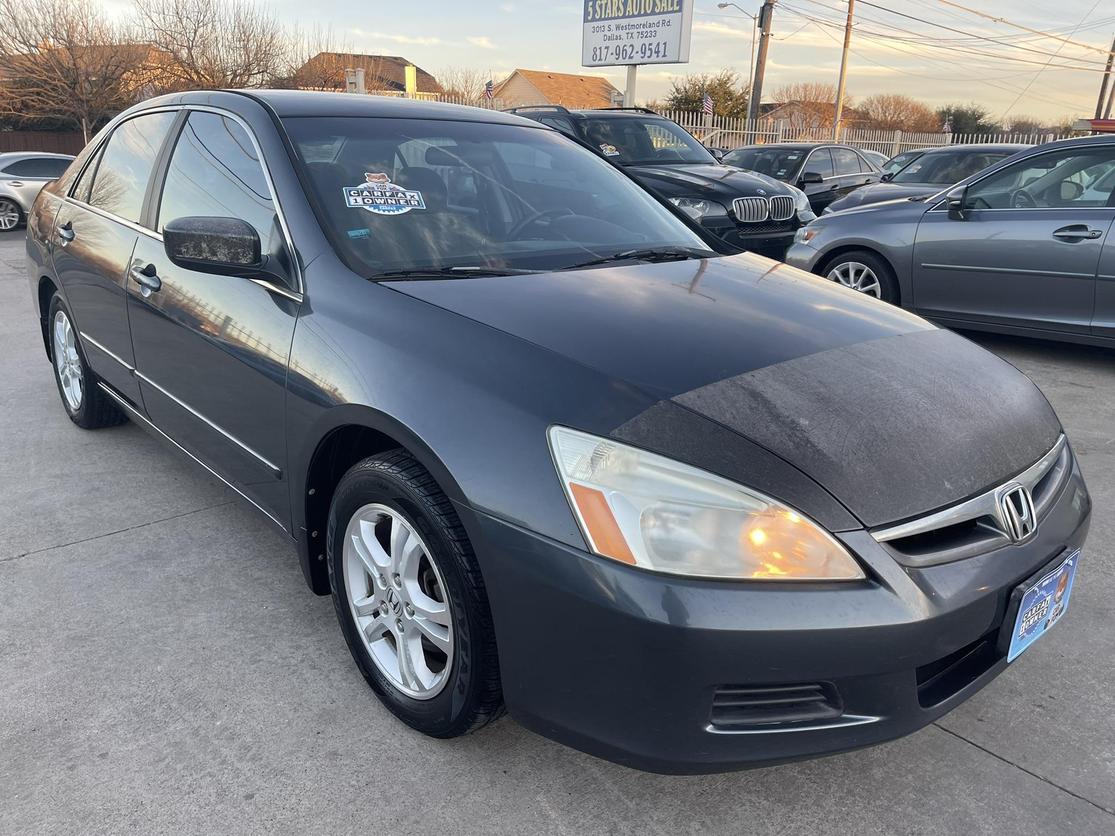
(999, 66)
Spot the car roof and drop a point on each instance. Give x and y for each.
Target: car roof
(795, 145)
(296, 103)
(976, 148)
(12, 156)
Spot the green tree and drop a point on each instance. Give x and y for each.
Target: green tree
(729, 94)
(968, 119)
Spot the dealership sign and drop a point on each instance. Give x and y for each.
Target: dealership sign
(618, 32)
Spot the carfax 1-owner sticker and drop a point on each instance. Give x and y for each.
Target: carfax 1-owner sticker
(379, 195)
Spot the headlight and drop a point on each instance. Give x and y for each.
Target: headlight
(801, 200)
(806, 234)
(698, 208)
(649, 511)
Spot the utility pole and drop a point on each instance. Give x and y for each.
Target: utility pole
(765, 15)
(843, 73)
(629, 93)
(1106, 79)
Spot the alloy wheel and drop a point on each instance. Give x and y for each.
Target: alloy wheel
(858, 277)
(398, 601)
(9, 215)
(67, 361)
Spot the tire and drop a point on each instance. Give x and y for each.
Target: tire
(86, 404)
(11, 216)
(392, 492)
(864, 272)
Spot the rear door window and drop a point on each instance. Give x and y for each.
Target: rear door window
(40, 168)
(845, 161)
(120, 181)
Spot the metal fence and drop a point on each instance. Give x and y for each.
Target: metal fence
(728, 132)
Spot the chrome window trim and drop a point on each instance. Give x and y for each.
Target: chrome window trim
(274, 468)
(278, 290)
(150, 233)
(985, 505)
(131, 369)
(135, 413)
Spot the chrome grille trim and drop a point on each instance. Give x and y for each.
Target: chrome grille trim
(987, 504)
(781, 207)
(751, 210)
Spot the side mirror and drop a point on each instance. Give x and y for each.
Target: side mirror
(812, 177)
(956, 200)
(886, 178)
(1071, 190)
(226, 246)
(717, 153)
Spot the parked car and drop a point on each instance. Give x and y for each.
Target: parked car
(929, 173)
(1023, 247)
(877, 157)
(900, 161)
(825, 172)
(748, 211)
(542, 446)
(22, 174)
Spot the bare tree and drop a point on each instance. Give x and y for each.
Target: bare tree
(892, 112)
(62, 60)
(212, 43)
(463, 82)
(808, 105)
(315, 59)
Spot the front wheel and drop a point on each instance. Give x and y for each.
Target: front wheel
(410, 599)
(863, 272)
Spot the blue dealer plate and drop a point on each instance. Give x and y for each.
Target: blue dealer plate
(1043, 604)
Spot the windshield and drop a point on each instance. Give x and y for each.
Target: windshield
(779, 163)
(943, 168)
(408, 194)
(633, 141)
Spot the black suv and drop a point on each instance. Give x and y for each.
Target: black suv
(748, 210)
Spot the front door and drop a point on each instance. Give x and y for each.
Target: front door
(211, 351)
(95, 232)
(1027, 248)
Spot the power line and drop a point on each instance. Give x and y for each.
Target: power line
(1003, 20)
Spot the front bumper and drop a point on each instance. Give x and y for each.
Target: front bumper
(770, 239)
(803, 256)
(625, 664)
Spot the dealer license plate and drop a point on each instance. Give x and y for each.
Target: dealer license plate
(1043, 604)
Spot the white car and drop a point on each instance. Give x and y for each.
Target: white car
(22, 175)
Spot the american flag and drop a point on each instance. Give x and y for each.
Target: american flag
(489, 90)
(706, 105)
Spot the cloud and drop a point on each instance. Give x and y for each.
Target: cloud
(507, 7)
(704, 27)
(397, 39)
(481, 42)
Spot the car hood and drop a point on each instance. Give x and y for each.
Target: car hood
(878, 192)
(892, 415)
(714, 181)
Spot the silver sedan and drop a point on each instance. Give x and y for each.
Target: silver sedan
(22, 175)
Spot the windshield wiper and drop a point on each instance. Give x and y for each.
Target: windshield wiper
(652, 254)
(442, 272)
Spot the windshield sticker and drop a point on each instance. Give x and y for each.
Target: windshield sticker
(609, 150)
(359, 233)
(379, 195)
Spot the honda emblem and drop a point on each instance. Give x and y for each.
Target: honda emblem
(1016, 508)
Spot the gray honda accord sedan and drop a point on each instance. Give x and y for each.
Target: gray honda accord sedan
(544, 447)
(1023, 247)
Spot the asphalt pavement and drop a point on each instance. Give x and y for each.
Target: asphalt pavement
(163, 668)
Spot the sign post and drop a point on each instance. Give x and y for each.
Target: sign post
(617, 33)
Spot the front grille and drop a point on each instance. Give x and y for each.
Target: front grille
(750, 210)
(767, 226)
(737, 707)
(781, 207)
(976, 526)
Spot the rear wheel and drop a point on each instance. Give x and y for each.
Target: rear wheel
(10, 215)
(863, 272)
(410, 598)
(86, 404)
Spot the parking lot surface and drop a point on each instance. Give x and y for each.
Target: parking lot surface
(164, 668)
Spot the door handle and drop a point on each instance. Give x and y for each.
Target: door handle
(66, 233)
(15, 183)
(147, 279)
(1077, 232)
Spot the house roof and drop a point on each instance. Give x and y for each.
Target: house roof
(565, 88)
(381, 72)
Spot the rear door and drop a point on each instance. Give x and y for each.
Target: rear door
(1027, 251)
(24, 178)
(849, 170)
(211, 351)
(823, 193)
(1103, 321)
(94, 234)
